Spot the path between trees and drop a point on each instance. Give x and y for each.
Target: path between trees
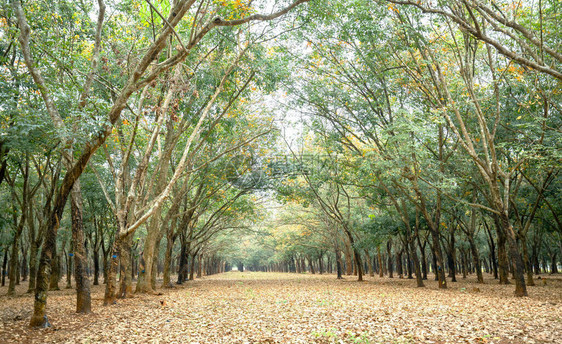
(289, 308)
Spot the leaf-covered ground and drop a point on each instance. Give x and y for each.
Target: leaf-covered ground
(289, 308)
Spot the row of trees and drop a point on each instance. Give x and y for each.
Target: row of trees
(434, 132)
(146, 116)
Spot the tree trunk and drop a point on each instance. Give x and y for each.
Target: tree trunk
(68, 260)
(416, 263)
(83, 298)
(526, 260)
(399, 269)
(24, 266)
(311, 266)
(553, 263)
(408, 261)
(111, 265)
(33, 258)
(389, 254)
(48, 258)
(438, 256)
(464, 266)
(166, 283)
(379, 258)
(503, 268)
(4, 267)
(200, 266)
(348, 259)
(14, 259)
(183, 261)
(125, 275)
(96, 257)
(494, 262)
(192, 267)
(338, 264)
(55, 272)
(452, 256)
(144, 284)
(475, 259)
(369, 263)
(518, 267)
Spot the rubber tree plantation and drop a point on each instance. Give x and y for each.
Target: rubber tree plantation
(281, 171)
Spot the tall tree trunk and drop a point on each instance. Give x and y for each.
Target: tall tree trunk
(348, 259)
(438, 256)
(14, 259)
(389, 254)
(475, 259)
(553, 263)
(166, 283)
(408, 260)
(192, 267)
(453, 257)
(96, 257)
(33, 259)
(144, 284)
(369, 263)
(311, 265)
(55, 272)
(518, 267)
(111, 264)
(379, 258)
(83, 298)
(68, 260)
(423, 259)
(4, 267)
(125, 276)
(399, 269)
(358, 263)
(464, 266)
(200, 266)
(492, 252)
(338, 263)
(183, 261)
(526, 260)
(48, 258)
(503, 268)
(24, 266)
(416, 263)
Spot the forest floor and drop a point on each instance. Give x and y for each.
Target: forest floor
(289, 308)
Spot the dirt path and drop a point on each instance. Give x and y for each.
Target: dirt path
(289, 308)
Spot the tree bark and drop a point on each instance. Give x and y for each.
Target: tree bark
(111, 265)
(389, 254)
(166, 283)
(338, 264)
(527, 260)
(14, 257)
(379, 258)
(438, 255)
(83, 298)
(125, 275)
(96, 258)
(476, 259)
(518, 267)
(399, 269)
(503, 268)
